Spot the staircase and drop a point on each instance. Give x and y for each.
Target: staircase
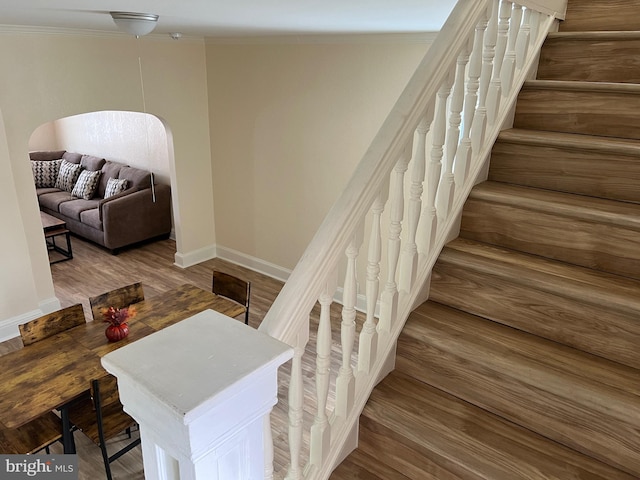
(525, 362)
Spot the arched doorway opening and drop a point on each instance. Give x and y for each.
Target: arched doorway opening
(134, 139)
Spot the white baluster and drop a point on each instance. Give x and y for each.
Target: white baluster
(389, 297)
(367, 346)
(463, 158)
(428, 219)
(321, 430)
(268, 449)
(509, 66)
(345, 383)
(480, 118)
(446, 191)
(431, 215)
(409, 258)
(524, 38)
(535, 26)
(296, 406)
(495, 88)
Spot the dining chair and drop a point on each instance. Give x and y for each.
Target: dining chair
(233, 288)
(118, 298)
(102, 418)
(45, 430)
(32, 437)
(51, 324)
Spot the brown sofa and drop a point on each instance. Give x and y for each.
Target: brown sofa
(125, 218)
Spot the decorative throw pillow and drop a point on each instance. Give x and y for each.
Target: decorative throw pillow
(45, 173)
(86, 184)
(68, 175)
(115, 186)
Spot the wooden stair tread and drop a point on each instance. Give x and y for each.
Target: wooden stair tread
(537, 272)
(602, 35)
(576, 306)
(577, 86)
(573, 141)
(470, 442)
(601, 56)
(601, 14)
(563, 204)
(580, 400)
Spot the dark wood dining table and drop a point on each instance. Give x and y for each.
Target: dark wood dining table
(53, 372)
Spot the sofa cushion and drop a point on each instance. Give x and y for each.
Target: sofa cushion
(92, 163)
(68, 175)
(45, 173)
(137, 177)
(91, 217)
(72, 157)
(47, 155)
(86, 184)
(75, 207)
(53, 200)
(42, 191)
(109, 170)
(115, 186)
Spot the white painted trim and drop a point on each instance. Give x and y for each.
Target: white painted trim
(189, 259)
(356, 38)
(49, 305)
(253, 263)
(555, 8)
(9, 327)
(40, 30)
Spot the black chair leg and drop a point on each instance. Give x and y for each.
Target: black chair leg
(105, 459)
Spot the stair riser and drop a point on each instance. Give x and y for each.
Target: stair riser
(575, 322)
(605, 113)
(584, 172)
(603, 247)
(590, 60)
(510, 387)
(592, 15)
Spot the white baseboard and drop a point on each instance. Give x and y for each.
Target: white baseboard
(257, 265)
(253, 263)
(9, 327)
(184, 260)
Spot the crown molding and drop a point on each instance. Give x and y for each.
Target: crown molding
(356, 38)
(34, 30)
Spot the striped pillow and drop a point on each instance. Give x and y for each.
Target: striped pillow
(68, 175)
(45, 172)
(115, 186)
(86, 184)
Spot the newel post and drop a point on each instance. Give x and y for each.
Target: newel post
(202, 391)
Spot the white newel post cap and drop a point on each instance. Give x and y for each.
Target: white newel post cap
(199, 390)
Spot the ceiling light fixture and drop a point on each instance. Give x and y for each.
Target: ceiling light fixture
(137, 24)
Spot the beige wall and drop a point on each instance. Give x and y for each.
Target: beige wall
(289, 121)
(46, 76)
(275, 129)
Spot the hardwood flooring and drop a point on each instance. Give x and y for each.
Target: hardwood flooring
(94, 270)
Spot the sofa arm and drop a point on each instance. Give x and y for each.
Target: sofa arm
(135, 217)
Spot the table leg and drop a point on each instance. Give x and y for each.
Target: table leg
(68, 442)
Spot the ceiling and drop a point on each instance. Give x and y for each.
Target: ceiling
(223, 18)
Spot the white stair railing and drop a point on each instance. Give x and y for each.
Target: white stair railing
(440, 131)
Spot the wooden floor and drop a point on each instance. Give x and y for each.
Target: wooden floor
(93, 270)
